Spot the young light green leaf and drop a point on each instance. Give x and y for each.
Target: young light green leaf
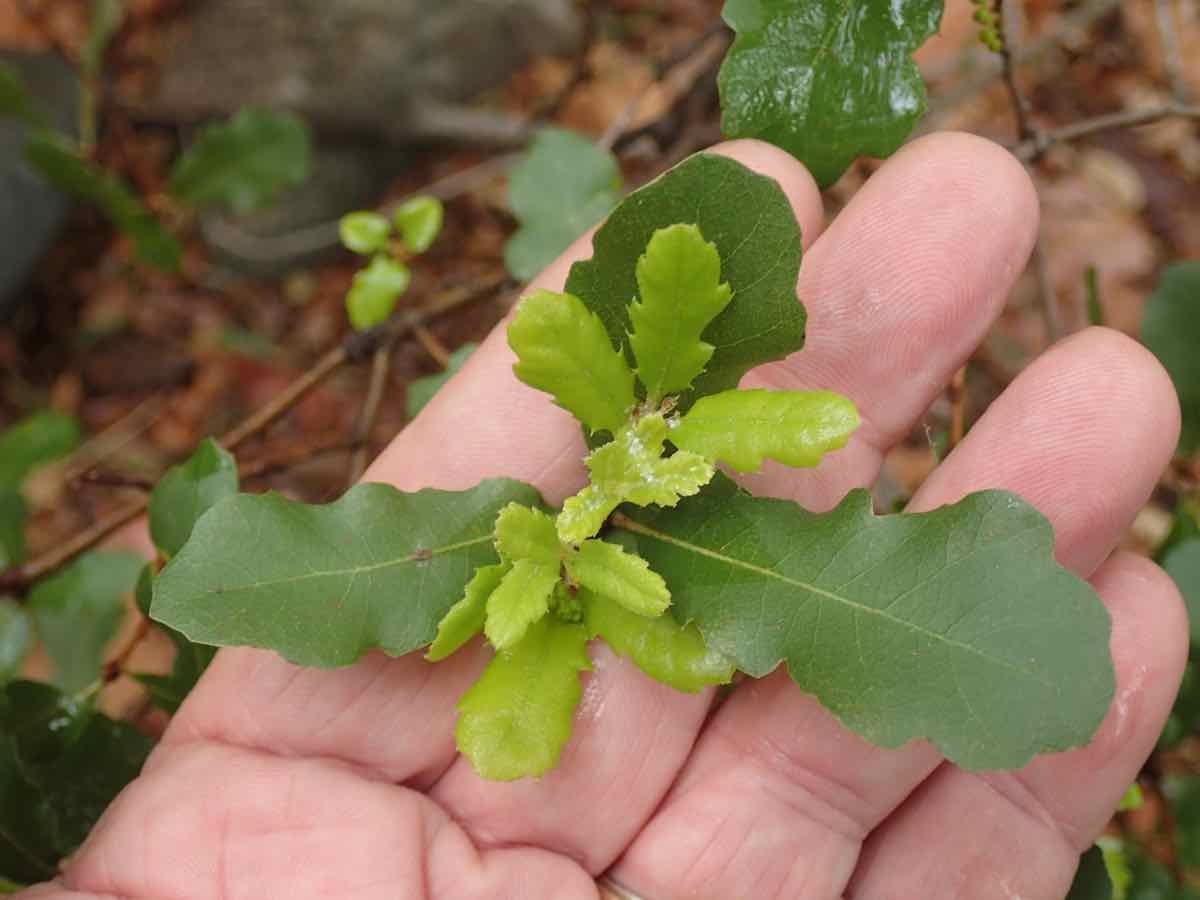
(932, 625)
(750, 220)
(364, 232)
(168, 692)
(15, 101)
(680, 291)
(62, 167)
(243, 164)
(563, 349)
(516, 719)
(78, 610)
(16, 637)
(375, 290)
(422, 390)
(322, 585)
(419, 221)
(630, 469)
(624, 578)
(1091, 878)
(466, 617)
(187, 492)
(522, 598)
(61, 764)
(741, 428)
(1182, 563)
(34, 441)
(563, 186)
(526, 533)
(12, 528)
(1171, 329)
(107, 16)
(662, 648)
(826, 80)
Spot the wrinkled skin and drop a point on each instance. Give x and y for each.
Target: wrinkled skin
(278, 782)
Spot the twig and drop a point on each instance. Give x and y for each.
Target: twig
(432, 345)
(380, 364)
(958, 408)
(1172, 59)
(1030, 150)
(1047, 298)
(115, 667)
(105, 478)
(292, 455)
(18, 579)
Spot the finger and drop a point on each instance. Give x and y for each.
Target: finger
(777, 769)
(1020, 834)
(899, 234)
(484, 423)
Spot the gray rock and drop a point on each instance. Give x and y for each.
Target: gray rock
(30, 211)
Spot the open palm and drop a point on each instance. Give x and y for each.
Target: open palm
(280, 782)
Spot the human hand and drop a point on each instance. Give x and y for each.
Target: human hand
(280, 782)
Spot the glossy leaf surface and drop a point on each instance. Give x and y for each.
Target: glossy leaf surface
(934, 625)
(321, 585)
(826, 80)
(749, 219)
(188, 491)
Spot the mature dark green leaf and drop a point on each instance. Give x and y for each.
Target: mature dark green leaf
(16, 635)
(78, 610)
(1182, 563)
(34, 441)
(243, 164)
(563, 186)
(15, 101)
(60, 165)
(421, 391)
(1185, 713)
(1091, 878)
(12, 528)
(1171, 329)
(955, 625)
(827, 80)
(61, 764)
(187, 492)
(750, 220)
(168, 692)
(107, 16)
(323, 584)
(1183, 793)
(1151, 880)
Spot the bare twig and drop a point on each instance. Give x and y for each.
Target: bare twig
(292, 455)
(18, 579)
(1172, 59)
(1020, 104)
(380, 365)
(432, 345)
(1030, 150)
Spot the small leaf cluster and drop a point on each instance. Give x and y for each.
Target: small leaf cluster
(557, 584)
(379, 285)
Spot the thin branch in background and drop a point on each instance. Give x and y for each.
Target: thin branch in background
(1172, 58)
(1021, 107)
(1032, 149)
(292, 455)
(435, 348)
(361, 438)
(957, 394)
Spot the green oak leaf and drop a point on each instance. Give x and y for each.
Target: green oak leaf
(375, 290)
(15, 101)
(187, 492)
(168, 692)
(61, 764)
(34, 441)
(419, 221)
(364, 232)
(466, 617)
(563, 349)
(1171, 329)
(78, 610)
(826, 80)
(322, 585)
(242, 165)
(750, 221)
(516, 719)
(1091, 878)
(1182, 563)
(526, 533)
(563, 186)
(955, 625)
(662, 648)
(16, 637)
(630, 469)
(624, 578)
(61, 166)
(680, 293)
(741, 428)
(522, 598)
(1184, 719)
(422, 390)
(12, 528)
